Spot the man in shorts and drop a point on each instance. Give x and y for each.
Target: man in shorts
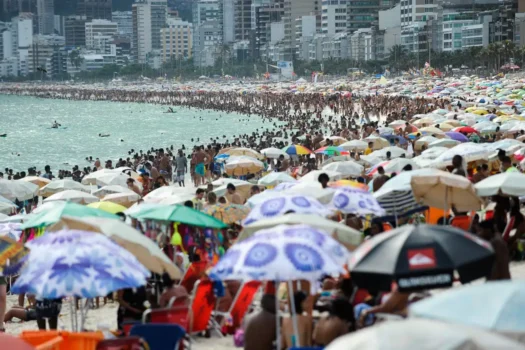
(181, 167)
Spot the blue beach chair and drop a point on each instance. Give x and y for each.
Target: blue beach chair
(159, 336)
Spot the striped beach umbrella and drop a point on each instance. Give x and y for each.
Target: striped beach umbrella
(296, 150)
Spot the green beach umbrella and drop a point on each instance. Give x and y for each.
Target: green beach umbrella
(182, 214)
(53, 215)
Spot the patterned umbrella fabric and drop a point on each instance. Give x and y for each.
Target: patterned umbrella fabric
(297, 150)
(229, 214)
(282, 204)
(11, 252)
(282, 253)
(457, 136)
(182, 214)
(356, 201)
(78, 263)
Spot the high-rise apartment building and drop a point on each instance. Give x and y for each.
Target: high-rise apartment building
(99, 28)
(95, 9)
(149, 17)
(208, 13)
(46, 16)
(124, 20)
(294, 9)
(364, 14)
(333, 18)
(75, 30)
(228, 25)
(176, 40)
(265, 15)
(206, 10)
(243, 19)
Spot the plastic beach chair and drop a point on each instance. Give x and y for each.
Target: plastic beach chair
(159, 336)
(126, 343)
(194, 272)
(241, 303)
(461, 221)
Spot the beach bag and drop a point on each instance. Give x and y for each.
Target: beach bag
(238, 338)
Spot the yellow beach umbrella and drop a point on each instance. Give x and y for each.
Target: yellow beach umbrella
(108, 207)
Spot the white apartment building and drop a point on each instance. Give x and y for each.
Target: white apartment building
(42, 50)
(209, 12)
(7, 43)
(149, 17)
(465, 29)
(9, 67)
(22, 40)
(305, 26)
(417, 11)
(362, 45)
(294, 9)
(46, 16)
(333, 18)
(176, 40)
(124, 20)
(209, 39)
(99, 27)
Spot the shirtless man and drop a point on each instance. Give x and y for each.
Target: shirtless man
(201, 159)
(500, 267)
(165, 164)
(233, 195)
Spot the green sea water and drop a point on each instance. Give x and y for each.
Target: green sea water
(31, 141)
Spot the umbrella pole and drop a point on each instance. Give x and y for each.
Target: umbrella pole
(277, 324)
(83, 313)
(72, 306)
(295, 343)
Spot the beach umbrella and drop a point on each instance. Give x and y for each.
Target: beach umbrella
(379, 142)
(109, 207)
(182, 214)
(443, 143)
(17, 190)
(306, 188)
(283, 203)
(243, 165)
(398, 122)
(275, 178)
(393, 166)
(349, 184)
(445, 126)
(143, 248)
(57, 186)
(176, 199)
(330, 150)
(469, 151)
(229, 214)
(6, 206)
(53, 215)
(337, 140)
(501, 314)
(242, 151)
(345, 168)
(273, 152)
(313, 175)
(354, 145)
(241, 186)
(112, 189)
(282, 253)
(37, 180)
(423, 335)
(78, 263)
(125, 199)
(163, 192)
(91, 179)
(445, 190)
(345, 235)
(457, 136)
(395, 152)
(432, 130)
(466, 130)
(296, 150)
(335, 159)
(385, 130)
(510, 184)
(114, 178)
(424, 141)
(419, 257)
(73, 196)
(355, 201)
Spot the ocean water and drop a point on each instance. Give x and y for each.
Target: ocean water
(31, 141)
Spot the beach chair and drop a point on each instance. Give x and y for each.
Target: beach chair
(52, 344)
(126, 343)
(308, 348)
(159, 336)
(194, 272)
(240, 305)
(461, 221)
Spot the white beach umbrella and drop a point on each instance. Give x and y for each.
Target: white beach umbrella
(275, 178)
(161, 193)
(416, 333)
(273, 152)
(57, 186)
(314, 175)
(74, 196)
(424, 141)
(119, 179)
(354, 145)
(449, 143)
(511, 184)
(37, 180)
(395, 152)
(91, 179)
(16, 189)
(312, 189)
(243, 166)
(469, 151)
(398, 122)
(126, 199)
(111, 189)
(346, 168)
(379, 142)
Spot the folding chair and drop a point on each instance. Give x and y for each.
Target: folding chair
(126, 343)
(194, 272)
(159, 336)
(462, 222)
(240, 305)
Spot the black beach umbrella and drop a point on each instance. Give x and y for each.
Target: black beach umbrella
(420, 257)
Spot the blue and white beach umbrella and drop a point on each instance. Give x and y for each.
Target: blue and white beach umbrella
(78, 263)
(356, 201)
(282, 253)
(282, 204)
